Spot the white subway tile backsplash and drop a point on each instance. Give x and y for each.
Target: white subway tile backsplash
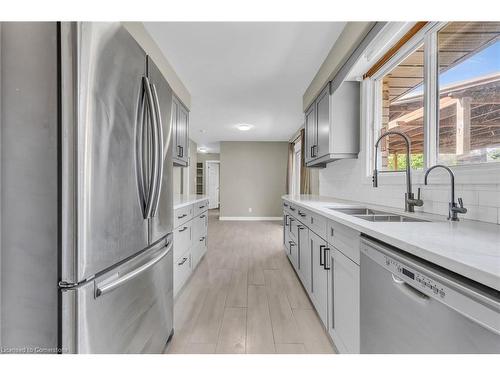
(343, 180)
(489, 198)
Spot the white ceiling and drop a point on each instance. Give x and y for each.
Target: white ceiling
(253, 73)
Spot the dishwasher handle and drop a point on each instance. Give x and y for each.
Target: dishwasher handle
(409, 290)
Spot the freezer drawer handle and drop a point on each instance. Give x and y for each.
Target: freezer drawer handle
(100, 290)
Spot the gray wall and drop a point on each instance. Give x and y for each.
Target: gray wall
(29, 184)
(202, 158)
(252, 175)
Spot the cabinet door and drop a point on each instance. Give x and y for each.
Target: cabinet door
(310, 133)
(323, 122)
(183, 133)
(319, 294)
(304, 257)
(344, 306)
(175, 129)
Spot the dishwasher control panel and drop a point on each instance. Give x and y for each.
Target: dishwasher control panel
(417, 279)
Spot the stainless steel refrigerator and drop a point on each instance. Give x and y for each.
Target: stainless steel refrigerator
(109, 149)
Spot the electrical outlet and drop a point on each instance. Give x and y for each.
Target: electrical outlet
(249, 209)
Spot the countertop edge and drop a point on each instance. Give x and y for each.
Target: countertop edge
(189, 201)
(471, 272)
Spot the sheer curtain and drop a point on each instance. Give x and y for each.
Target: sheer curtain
(304, 177)
(305, 173)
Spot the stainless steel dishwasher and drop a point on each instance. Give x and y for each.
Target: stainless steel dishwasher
(411, 306)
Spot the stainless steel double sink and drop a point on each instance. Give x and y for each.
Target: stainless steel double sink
(376, 216)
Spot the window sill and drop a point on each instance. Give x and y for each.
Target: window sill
(479, 174)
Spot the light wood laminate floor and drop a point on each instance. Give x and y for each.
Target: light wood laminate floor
(244, 297)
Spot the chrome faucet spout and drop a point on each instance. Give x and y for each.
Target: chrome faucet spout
(454, 209)
(410, 201)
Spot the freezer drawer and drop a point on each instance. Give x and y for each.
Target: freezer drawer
(129, 309)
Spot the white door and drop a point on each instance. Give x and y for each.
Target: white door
(213, 185)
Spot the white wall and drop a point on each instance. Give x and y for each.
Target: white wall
(142, 36)
(346, 179)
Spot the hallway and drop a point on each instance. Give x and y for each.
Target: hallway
(244, 297)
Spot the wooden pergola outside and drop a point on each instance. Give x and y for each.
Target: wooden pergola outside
(469, 115)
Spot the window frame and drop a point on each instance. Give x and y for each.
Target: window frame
(371, 93)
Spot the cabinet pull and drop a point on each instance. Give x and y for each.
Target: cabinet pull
(301, 227)
(202, 239)
(291, 208)
(302, 214)
(284, 204)
(202, 216)
(321, 259)
(183, 229)
(326, 265)
(291, 243)
(182, 261)
(180, 217)
(331, 231)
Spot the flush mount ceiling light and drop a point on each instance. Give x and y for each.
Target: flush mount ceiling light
(244, 127)
(203, 150)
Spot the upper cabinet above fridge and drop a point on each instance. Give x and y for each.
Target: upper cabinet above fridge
(180, 132)
(332, 125)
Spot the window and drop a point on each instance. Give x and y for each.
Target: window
(469, 93)
(403, 111)
(451, 70)
(296, 164)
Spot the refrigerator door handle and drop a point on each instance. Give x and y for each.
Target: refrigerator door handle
(107, 287)
(139, 150)
(159, 126)
(154, 132)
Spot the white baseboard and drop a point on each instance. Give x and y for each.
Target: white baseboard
(251, 218)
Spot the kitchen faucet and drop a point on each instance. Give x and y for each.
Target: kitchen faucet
(410, 201)
(453, 209)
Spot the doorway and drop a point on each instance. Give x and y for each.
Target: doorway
(212, 183)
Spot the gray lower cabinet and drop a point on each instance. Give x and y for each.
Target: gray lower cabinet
(304, 257)
(344, 302)
(325, 256)
(332, 125)
(319, 272)
(190, 241)
(180, 133)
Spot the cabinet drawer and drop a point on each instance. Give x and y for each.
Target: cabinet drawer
(303, 215)
(317, 224)
(182, 239)
(200, 207)
(183, 214)
(182, 271)
(200, 226)
(293, 227)
(344, 239)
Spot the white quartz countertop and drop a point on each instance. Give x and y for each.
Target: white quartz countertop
(186, 200)
(469, 248)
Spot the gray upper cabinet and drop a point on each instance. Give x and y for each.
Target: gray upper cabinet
(310, 129)
(332, 125)
(180, 133)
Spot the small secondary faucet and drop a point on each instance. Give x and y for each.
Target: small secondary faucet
(453, 209)
(410, 201)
